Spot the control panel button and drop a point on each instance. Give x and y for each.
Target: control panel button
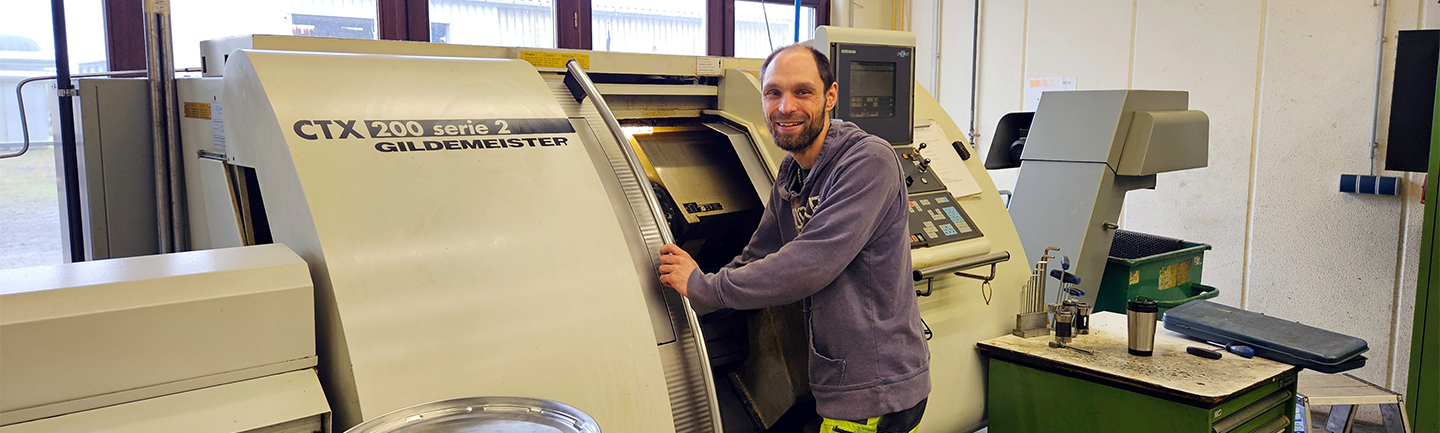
(937, 218)
(919, 178)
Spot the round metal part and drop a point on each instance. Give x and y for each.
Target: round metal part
(1064, 331)
(483, 415)
(1064, 323)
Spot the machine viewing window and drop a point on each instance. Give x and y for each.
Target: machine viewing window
(872, 89)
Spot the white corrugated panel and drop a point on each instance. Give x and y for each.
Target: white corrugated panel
(649, 26)
(750, 26)
(648, 33)
(637, 26)
(496, 23)
(334, 8)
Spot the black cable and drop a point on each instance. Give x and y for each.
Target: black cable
(928, 333)
(70, 165)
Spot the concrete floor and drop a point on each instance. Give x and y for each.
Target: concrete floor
(1317, 422)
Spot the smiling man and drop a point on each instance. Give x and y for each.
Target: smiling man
(834, 236)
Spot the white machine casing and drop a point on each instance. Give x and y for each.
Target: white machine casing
(444, 274)
(827, 35)
(458, 273)
(215, 340)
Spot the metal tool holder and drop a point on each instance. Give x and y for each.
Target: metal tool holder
(1072, 315)
(579, 78)
(1068, 321)
(1033, 320)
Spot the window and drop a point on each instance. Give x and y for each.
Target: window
(29, 199)
(524, 23)
(760, 30)
(193, 21)
(332, 27)
(649, 26)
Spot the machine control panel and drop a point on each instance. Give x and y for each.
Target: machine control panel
(935, 218)
(877, 88)
(919, 177)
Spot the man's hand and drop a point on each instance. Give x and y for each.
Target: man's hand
(675, 267)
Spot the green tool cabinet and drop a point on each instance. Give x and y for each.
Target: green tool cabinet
(1034, 388)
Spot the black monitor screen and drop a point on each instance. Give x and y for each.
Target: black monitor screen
(872, 89)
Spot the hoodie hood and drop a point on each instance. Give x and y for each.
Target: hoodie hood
(838, 139)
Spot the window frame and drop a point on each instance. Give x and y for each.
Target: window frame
(409, 20)
(124, 34)
(578, 34)
(402, 20)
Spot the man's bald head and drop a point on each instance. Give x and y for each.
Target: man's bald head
(822, 63)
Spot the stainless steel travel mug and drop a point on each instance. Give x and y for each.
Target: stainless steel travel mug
(1142, 326)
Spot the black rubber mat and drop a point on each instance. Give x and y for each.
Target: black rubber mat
(1130, 245)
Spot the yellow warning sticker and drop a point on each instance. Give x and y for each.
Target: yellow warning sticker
(197, 110)
(545, 59)
(1174, 275)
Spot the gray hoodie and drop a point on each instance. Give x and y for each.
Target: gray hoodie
(839, 243)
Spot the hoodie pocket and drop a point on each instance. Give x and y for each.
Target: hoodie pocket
(824, 370)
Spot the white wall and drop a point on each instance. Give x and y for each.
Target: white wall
(869, 14)
(1290, 88)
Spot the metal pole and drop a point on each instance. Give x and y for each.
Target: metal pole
(974, 74)
(68, 155)
(939, 48)
(179, 216)
(665, 236)
(157, 21)
(1379, 88)
(797, 21)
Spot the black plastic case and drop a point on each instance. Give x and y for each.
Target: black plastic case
(1277, 339)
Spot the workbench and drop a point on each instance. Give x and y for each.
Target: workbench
(1033, 387)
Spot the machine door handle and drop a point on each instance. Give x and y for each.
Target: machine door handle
(960, 265)
(580, 86)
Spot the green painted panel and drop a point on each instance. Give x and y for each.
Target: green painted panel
(1235, 404)
(1026, 400)
(1423, 391)
(1268, 417)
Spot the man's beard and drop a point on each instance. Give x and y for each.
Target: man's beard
(813, 124)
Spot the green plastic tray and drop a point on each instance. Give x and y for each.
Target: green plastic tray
(1171, 278)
